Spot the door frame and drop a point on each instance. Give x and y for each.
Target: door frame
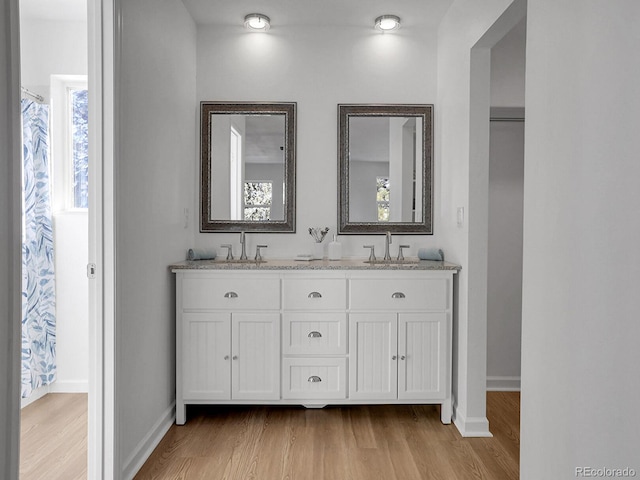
(103, 41)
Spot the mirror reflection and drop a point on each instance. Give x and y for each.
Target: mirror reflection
(385, 168)
(248, 164)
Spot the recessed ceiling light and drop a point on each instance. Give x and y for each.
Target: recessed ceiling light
(257, 22)
(386, 23)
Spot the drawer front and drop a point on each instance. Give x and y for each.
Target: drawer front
(314, 333)
(234, 293)
(399, 294)
(314, 378)
(314, 293)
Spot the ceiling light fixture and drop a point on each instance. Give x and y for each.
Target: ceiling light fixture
(387, 23)
(257, 22)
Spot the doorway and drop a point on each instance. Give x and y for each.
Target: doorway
(55, 111)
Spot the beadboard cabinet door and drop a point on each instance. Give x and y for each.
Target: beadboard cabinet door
(373, 370)
(255, 357)
(422, 350)
(206, 359)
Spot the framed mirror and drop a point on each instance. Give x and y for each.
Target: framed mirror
(247, 167)
(385, 169)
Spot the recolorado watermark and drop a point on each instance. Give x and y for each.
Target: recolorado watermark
(601, 472)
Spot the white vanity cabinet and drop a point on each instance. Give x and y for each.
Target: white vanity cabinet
(327, 333)
(228, 339)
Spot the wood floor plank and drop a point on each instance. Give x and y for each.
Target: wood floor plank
(53, 442)
(402, 442)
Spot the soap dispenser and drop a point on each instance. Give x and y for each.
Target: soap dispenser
(334, 250)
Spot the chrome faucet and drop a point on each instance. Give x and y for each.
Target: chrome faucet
(243, 255)
(388, 241)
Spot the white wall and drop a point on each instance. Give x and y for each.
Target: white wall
(508, 68)
(580, 356)
(504, 260)
(10, 276)
(155, 172)
(465, 23)
(317, 67)
(506, 170)
(50, 47)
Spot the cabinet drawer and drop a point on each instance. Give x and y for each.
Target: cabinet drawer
(314, 378)
(399, 294)
(234, 293)
(314, 333)
(314, 293)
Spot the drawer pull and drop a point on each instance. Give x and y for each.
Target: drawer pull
(231, 295)
(314, 334)
(314, 379)
(398, 295)
(314, 295)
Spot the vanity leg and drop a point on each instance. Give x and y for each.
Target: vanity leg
(446, 411)
(181, 413)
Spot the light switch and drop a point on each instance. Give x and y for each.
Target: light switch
(460, 217)
(186, 218)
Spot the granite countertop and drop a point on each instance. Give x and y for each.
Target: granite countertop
(284, 264)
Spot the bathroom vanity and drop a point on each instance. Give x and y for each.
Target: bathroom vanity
(313, 333)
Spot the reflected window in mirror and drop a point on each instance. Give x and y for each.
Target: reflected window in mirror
(247, 167)
(385, 169)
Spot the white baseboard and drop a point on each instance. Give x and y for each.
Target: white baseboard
(69, 386)
(503, 384)
(151, 440)
(472, 426)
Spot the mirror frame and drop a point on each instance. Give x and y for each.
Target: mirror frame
(345, 112)
(207, 108)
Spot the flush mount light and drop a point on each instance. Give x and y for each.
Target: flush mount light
(257, 22)
(386, 23)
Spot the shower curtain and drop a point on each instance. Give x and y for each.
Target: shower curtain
(38, 283)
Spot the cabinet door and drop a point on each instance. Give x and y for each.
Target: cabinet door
(255, 356)
(422, 355)
(206, 351)
(373, 370)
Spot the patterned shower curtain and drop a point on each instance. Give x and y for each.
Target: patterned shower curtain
(38, 285)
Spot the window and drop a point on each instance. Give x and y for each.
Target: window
(382, 198)
(79, 130)
(257, 200)
(70, 142)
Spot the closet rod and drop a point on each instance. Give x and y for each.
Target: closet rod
(35, 96)
(506, 119)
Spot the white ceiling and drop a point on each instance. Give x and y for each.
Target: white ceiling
(74, 10)
(282, 12)
(318, 12)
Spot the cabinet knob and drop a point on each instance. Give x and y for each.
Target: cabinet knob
(398, 295)
(235, 357)
(314, 379)
(314, 334)
(226, 357)
(395, 357)
(314, 295)
(231, 295)
(403, 357)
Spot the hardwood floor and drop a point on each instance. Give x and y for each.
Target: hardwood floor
(53, 438)
(339, 443)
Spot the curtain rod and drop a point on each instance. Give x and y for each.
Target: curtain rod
(35, 96)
